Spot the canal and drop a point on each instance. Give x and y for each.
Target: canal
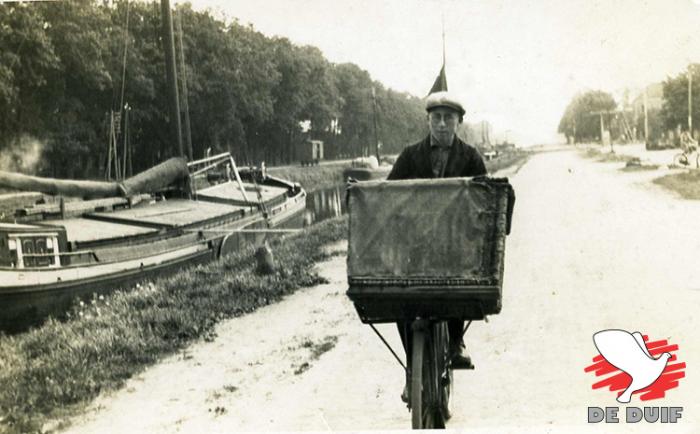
(324, 204)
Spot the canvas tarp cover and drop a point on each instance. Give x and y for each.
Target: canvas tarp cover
(421, 229)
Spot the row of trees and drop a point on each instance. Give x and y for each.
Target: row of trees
(674, 111)
(581, 120)
(64, 66)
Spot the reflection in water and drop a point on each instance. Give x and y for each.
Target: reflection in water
(324, 204)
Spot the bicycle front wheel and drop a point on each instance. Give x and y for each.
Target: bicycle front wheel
(444, 370)
(427, 385)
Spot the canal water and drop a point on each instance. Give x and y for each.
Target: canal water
(324, 204)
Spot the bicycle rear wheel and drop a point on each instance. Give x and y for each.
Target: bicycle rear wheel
(429, 390)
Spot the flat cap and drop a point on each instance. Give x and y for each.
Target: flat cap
(444, 99)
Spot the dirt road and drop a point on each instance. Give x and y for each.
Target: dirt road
(592, 248)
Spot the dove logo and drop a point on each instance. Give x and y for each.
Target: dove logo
(633, 365)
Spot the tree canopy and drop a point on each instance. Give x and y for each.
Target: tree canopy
(580, 121)
(674, 111)
(65, 66)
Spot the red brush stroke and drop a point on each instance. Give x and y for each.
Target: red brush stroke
(619, 381)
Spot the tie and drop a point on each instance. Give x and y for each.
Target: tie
(439, 157)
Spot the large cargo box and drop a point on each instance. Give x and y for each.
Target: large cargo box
(432, 248)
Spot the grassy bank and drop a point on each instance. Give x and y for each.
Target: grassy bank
(605, 156)
(516, 158)
(312, 177)
(329, 175)
(686, 184)
(54, 370)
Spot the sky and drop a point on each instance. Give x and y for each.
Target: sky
(516, 64)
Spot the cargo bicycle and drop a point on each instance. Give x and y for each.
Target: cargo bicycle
(685, 157)
(450, 267)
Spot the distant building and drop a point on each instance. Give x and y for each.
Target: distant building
(310, 152)
(505, 147)
(655, 99)
(490, 155)
(659, 137)
(478, 134)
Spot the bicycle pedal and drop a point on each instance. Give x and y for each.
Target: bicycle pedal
(447, 414)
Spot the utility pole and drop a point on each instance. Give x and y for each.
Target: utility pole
(602, 127)
(171, 73)
(690, 101)
(646, 118)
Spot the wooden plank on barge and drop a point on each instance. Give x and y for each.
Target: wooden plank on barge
(230, 193)
(79, 207)
(174, 213)
(84, 230)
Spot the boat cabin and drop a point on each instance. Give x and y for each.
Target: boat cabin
(31, 246)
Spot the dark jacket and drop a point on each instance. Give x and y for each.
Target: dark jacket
(414, 161)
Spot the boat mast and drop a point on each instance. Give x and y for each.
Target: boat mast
(183, 76)
(171, 72)
(444, 60)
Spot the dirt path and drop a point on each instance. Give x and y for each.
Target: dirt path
(592, 248)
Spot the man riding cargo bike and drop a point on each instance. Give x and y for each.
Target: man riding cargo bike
(426, 251)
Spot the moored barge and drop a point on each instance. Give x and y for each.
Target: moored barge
(53, 252)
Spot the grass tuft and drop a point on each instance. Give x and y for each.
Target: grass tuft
(53, 370)
(686, 184)
(605, 156)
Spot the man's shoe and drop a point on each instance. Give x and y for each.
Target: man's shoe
(460, 358)
(404, 394)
